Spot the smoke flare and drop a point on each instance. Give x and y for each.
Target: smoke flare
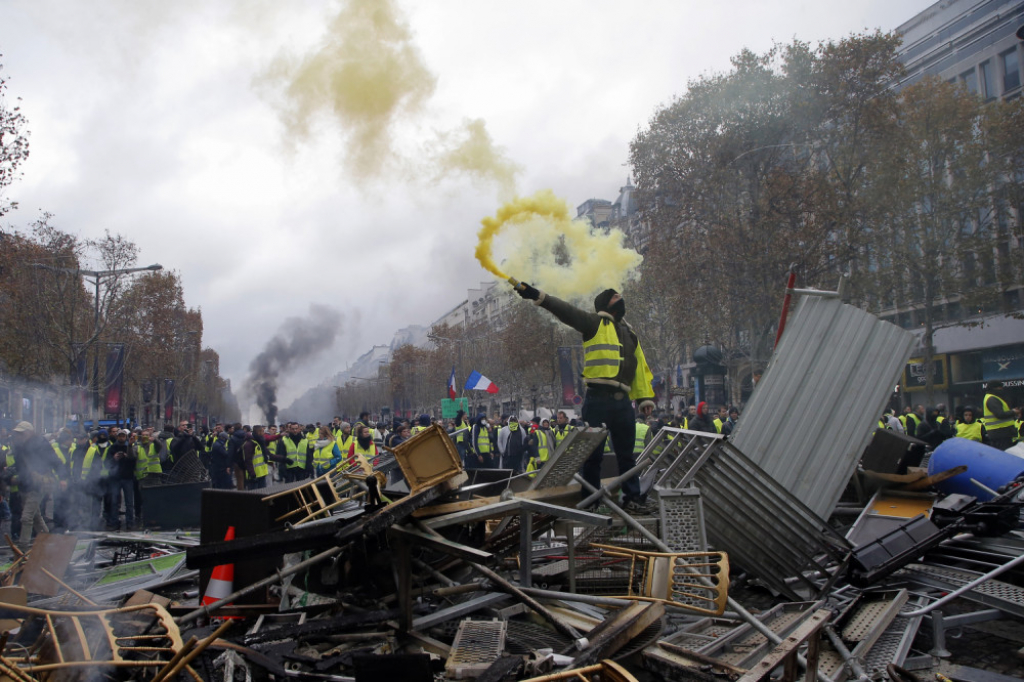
(369, 76)
(298, 340)
(568, 258)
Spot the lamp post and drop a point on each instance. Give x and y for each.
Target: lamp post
(97, 277)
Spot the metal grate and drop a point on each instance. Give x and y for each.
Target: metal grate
(994, 593)
(478, 643)
(751, 516)
(682, 520)
(524, 637)
(188, 469)
(894, 644)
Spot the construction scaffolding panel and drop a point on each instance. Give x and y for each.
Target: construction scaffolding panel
(756, 520)
(568, 458)
(816, 406)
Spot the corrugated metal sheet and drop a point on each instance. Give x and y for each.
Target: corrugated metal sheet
(814, 410)
(751, 516)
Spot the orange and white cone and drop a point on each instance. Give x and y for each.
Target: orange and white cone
(222, 581)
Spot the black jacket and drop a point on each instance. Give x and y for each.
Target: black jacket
(219, 459)
(35, 461)
(121, 468)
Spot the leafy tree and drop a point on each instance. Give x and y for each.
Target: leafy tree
(14, 147)
(938, 195)
(752, 171)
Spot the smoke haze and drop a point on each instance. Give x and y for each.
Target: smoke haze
(369, 78)
(297, 341)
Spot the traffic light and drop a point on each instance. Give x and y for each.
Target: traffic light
(131, 414)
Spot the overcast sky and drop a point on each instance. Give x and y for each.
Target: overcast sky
(171, 123)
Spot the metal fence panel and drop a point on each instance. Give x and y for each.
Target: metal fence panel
(817, 405)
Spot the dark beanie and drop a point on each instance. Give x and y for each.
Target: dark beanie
(603, 298)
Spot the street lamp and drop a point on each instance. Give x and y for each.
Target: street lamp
(97, 277)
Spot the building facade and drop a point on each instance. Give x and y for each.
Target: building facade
(980, 44)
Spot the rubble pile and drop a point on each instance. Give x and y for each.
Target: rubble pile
(404, 569)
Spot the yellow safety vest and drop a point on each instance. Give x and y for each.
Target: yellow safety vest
(483, 443)
(543, 452)
(561, 434)
(461, 437)
(641, 437)
(259, 465)
(295, 453)
(147, 462)
(992, 423)
(970, 431)
(718, 425)
(10, 463)
(362, 457)
(60, 454)
(345, 443)
(91, 455)
(323, 456)
(602, 357)
(416, 429)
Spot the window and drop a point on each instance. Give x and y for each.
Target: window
(1011, 70)
(970, 80)
(988, 81)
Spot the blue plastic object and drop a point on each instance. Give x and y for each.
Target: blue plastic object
(989, 466)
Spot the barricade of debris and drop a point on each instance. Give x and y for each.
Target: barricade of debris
(410, 568)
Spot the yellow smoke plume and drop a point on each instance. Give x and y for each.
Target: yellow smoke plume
(544, 246)
(370, 79)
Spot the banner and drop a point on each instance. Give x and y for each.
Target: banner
(570, 367)
(449, 407)
(79, 371)
(168, 399)
(114, 378)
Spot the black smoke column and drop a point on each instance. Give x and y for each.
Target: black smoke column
(299, 339)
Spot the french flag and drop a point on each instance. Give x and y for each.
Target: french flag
(451, 384)
(478, 382)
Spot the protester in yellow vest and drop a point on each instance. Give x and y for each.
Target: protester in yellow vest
(326, 453)
(616, 374)
(562, 427)
(363, 450)
(543, 449)
(256, 469)
(1000, 422)
(481, 448)
(970, 428)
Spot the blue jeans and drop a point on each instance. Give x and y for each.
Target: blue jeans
(615, 412)
(115, 487)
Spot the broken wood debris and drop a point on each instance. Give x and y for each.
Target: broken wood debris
(526, 585)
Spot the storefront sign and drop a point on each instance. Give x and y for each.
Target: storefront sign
(1003, 363)
(914, 377)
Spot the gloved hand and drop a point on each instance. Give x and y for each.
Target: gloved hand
(527, 292)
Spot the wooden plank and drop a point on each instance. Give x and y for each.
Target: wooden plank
(52, 552)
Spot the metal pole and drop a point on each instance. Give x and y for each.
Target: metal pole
(657, 542)
(278, 575)
(96, 357)
(966, 588)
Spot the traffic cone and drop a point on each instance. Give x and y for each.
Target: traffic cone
(222, 581)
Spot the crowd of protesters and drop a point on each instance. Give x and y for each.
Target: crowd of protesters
(993, 422)
(89, 480)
